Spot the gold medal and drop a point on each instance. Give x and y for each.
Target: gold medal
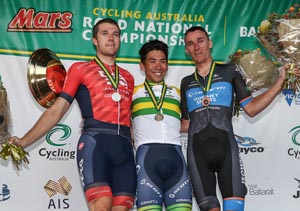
(116, 97)
(159, 117)
(206, 101)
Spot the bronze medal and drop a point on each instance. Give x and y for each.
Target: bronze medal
(159, 117)
(206, 101)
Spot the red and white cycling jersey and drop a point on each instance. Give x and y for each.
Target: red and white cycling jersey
(87, 82)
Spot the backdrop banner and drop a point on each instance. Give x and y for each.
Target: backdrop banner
(270, 145)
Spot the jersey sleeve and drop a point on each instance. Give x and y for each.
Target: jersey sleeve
(242, 91)
(72, 82)
(183, 102)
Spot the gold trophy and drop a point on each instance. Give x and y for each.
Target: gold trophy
(46, 76)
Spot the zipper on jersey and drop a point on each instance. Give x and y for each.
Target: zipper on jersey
(207, 107)
(119, 110)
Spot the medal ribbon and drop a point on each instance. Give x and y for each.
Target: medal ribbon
(211, 73)
(114, 81)
(157, 104)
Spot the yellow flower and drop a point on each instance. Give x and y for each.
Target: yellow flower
(264, 26)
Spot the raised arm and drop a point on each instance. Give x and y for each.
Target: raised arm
(260, 102)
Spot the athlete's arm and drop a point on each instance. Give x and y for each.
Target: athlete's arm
(184, 125)
(47, 121)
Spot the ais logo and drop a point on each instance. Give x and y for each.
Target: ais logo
(63, 187)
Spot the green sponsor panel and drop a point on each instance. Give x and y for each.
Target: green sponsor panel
(65, 27)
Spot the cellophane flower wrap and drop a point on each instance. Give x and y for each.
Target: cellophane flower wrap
(280, 36)
(258, 71)
(16, 153)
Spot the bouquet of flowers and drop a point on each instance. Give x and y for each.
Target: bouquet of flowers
(16, 153)
(258, 71)
(280, 35)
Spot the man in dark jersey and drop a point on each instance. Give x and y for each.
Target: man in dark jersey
(104, 93)
(207, 99)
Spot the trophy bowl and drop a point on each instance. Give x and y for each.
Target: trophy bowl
(46, 76)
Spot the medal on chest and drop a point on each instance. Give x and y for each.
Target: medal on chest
(206, 101)
(116, 96)
(157, 101)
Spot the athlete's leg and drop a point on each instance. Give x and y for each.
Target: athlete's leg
(123, 175)
(178, 194)
(97, 155)
(202, 159)
(215, 209)
(233, 204)
(232, 178)
(149, 195)
(101, 204)
(120, 208)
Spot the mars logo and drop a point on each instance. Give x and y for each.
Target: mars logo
(248, 145)
(63, 187)
(32, 21)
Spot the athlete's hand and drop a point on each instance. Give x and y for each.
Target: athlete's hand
(16, 141)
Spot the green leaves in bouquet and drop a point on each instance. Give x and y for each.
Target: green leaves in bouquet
(17, 154)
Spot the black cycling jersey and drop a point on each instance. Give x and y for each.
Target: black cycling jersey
(212, 148)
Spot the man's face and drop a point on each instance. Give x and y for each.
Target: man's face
(155, 66)
(107, 41)
(198, 46)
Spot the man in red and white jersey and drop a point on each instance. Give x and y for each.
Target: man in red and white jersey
(103, 91)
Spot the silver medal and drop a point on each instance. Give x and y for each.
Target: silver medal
(116, 97)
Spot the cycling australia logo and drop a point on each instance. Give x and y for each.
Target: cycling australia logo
(295, 153)
(57, 138)
(248, 145)
(63, 188)
(5, 193)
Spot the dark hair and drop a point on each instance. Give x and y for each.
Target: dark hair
(104, 20)
(195, 28)
(153, 45)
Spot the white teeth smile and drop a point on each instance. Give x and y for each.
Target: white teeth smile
(158, 74)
